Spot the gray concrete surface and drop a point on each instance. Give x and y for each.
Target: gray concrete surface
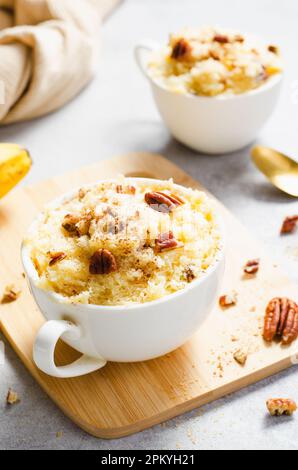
(115, 114)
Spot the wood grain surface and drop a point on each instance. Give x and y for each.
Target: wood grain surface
(122, 399)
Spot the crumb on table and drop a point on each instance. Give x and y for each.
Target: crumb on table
(12, 397)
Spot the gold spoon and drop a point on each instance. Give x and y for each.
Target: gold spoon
(281, 170)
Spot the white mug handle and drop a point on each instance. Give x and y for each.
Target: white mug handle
(144, 46)
(44, 349)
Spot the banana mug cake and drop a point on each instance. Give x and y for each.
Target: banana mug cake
(124, 242)
(213, 61)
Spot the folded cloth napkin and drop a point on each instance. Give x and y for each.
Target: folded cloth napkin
(47, 53)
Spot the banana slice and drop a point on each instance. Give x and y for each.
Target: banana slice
(15, 162)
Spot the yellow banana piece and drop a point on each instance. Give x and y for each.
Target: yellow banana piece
(15, 162)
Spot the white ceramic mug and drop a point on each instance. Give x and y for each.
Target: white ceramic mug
(119, 333)
(213, 125)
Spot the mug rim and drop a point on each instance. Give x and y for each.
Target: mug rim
(59, 298)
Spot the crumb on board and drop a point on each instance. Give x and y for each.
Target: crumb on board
(219, 368)
(234, 338)
(10, 294)
(240, 356)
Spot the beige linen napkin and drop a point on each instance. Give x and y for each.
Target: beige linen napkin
(47, 53)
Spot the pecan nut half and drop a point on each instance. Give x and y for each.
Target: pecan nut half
(281, 320)
(162, 202)
(281, 406)
(181, 50)
(102, 262)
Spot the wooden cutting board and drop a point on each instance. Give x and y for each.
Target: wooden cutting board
(122, 399)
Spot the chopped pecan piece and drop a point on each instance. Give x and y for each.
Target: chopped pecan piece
(11, 294)
(252, 266)
(239, 38)
(263, 75)
(273, 49)
(70, 223)
(281, 320)
(55, 257)
(166, 242)
(289, 224)
(128, 189)
(12, 397)
(214, 55)
(162, 202)
(189, 274)
(83, 225)
(240, 356)
(102, 262)
(228, 300)
(82, 193)
(221, 39)
(77, 225)
(281, 406)
(181, 50)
